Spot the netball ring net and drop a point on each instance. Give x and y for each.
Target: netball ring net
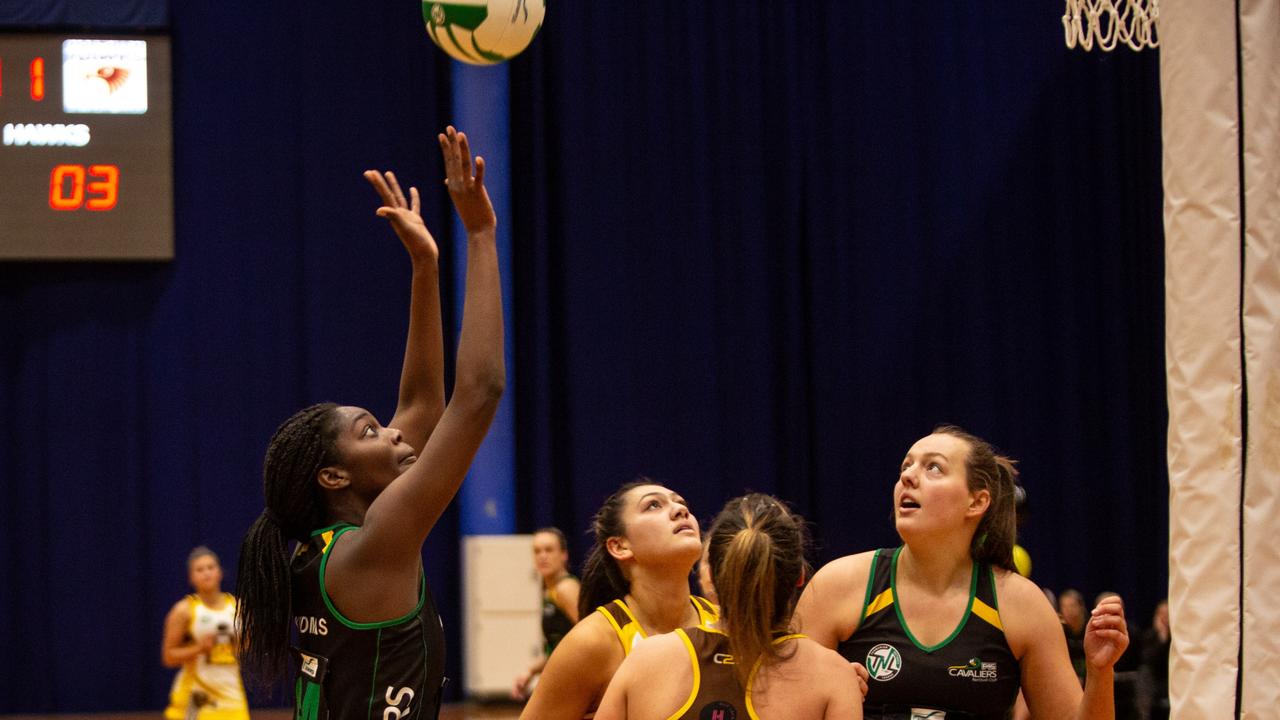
(1109, 22)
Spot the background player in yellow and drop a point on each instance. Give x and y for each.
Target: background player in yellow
(199, 639)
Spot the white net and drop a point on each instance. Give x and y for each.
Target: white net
(1111, 22)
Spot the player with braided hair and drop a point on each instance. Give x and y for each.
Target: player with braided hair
(360, 497)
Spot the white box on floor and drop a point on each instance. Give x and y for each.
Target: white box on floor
(502, 612)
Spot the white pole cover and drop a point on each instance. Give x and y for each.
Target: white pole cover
(1202, 347)
(1260, 45)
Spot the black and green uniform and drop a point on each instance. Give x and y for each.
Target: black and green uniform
(349, 670)
(555, 623)
(971, 675)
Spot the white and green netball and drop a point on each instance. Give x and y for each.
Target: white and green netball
(483, 32)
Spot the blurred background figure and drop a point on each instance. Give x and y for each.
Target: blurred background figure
(1074, 619)
(199, 639)
(1155, 662)
(559, 601)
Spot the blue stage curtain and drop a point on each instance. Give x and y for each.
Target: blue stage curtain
(770, 247)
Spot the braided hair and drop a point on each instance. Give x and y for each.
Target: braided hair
(300, 447)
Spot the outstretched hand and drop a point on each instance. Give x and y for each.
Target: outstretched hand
(466, 189)
(1107, 634)
(405, 215)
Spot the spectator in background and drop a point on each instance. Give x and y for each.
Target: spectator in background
(559, 601)
(1155, 661)
(1074, 620)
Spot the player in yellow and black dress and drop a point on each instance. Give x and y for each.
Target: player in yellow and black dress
(635, 584)
(199, 639)
(945, 626)
(747, 664)
(360, 497)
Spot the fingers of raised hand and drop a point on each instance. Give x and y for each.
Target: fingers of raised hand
(464, 153)
(380, 186)
(415, 203)
(396, 193)
(449, 153)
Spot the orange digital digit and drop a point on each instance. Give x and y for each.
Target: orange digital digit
(59, 198)
(108, 186)
(37, 79)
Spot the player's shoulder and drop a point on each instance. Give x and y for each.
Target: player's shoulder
(592, 638)
(845, 573)
(567, 583)
(660, 649)
(1017, 592)
(1024, 609)
(824, 663)
(181, 608)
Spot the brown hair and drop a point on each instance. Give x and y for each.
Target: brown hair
(602, 579)
(757, 563)
(564, 542)
(997, 531)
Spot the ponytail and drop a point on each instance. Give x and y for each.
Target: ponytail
(757, 563)
(264, 602)
(300, 447)
(997, 531)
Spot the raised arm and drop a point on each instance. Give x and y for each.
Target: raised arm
(389, 543)
(1105, 640)
(1049, 685)
(421, 400)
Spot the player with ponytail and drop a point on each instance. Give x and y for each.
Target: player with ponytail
(635, 584)
(749, 664)
(944, 623)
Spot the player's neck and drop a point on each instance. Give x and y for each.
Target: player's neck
(936, 567)
(660, 604)
(212, 599)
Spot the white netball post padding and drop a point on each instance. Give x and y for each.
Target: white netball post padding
(502, 612)
(1260, 57)
(1202, 345)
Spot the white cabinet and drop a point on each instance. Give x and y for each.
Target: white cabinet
(502, 612)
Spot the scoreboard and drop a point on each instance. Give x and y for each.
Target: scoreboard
(86, 147)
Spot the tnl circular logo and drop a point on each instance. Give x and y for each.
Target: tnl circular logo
(884, 662)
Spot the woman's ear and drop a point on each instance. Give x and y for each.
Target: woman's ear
(618, 548)
(332, 478)
(979, 501)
